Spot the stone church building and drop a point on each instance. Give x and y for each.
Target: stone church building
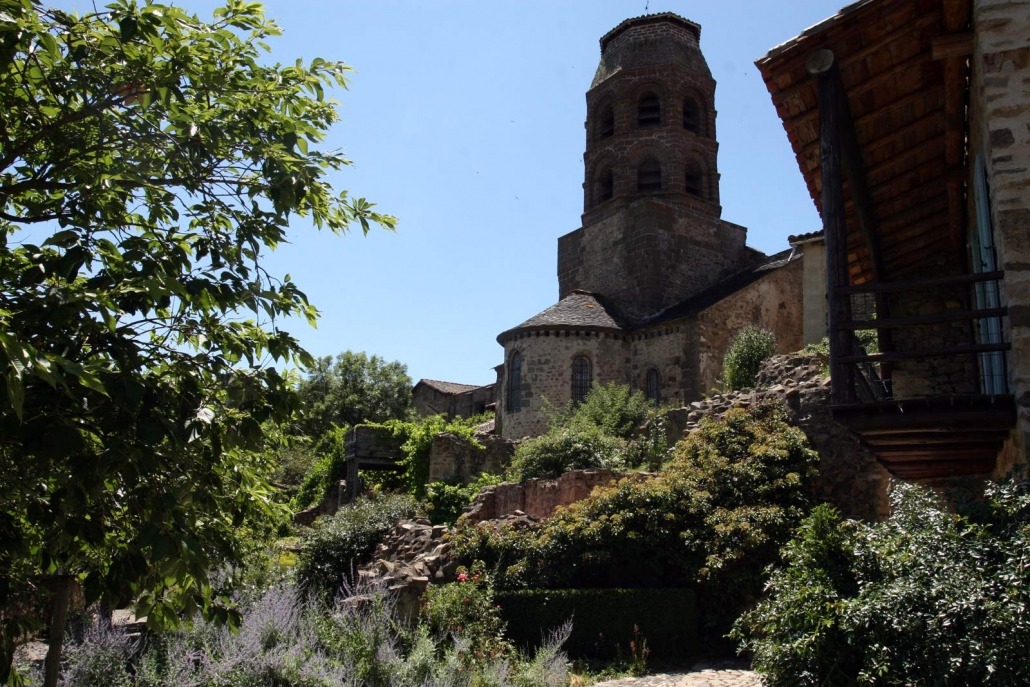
(654, 284)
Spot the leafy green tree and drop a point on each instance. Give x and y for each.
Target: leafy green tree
(748, 350)
(354, 388)
(148, 161)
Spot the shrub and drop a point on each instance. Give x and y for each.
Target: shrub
(615, 409)
(444, 502)
(926, 597)
(100, 660)
(748, 350)
(564, 449)
(283, 641)
(605, 621)
(417, 438)
(730, 497)
(464, 613)
(338, 544)
(326, 471)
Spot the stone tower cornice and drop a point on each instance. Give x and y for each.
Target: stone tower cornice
(650, 19)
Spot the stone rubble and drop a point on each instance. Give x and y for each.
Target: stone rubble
(414, 553)
(849, 476)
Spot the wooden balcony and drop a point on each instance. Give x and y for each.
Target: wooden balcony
(925, 411)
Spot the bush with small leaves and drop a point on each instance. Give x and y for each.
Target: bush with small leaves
(748, 350)
(927, 597)
(564, 449)
(445, 502)
(338, 544)
(464, 612)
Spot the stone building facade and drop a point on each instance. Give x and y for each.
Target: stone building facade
(451, 399)
(655, 283)
(1000, 140)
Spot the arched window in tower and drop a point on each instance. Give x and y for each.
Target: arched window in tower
(693, 179)
(654, 393)
(649, 110)
(515, 383)
(691, 115)
(604, 186)
(582, 378)
(649, 176)
(606, 127)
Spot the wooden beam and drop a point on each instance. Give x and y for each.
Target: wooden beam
(835, 227)
(955, 45)
(822, 65)
(957, 15)
(915, 320)
(909, 284)
(897, 356)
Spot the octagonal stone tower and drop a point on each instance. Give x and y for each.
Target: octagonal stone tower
(652, 234)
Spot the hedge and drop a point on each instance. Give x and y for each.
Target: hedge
(605, 621)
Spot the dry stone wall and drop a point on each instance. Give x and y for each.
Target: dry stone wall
(539, 498)
(849, 477)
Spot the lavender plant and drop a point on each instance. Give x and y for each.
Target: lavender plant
(285, 641)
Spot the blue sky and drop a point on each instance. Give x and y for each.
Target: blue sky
(465, 120)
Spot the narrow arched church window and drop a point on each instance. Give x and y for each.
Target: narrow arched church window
(693, 180)
(582, 378)
(649, 176)
(649, 110)
(607, 122)
(515, 383)
(691, 116)
(653, 387)
(605, 186)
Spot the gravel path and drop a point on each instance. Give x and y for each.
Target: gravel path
(700, 675)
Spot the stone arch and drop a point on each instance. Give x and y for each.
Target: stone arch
(697, 178)
(582, 376)
(600, 183)
(653, 385)
(649, 175)
(649, 102)
(604, 119)
(649, 165)
(694, 113)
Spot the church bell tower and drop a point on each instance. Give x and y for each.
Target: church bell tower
(652, 234)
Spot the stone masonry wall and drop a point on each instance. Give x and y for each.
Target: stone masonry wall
(774, 302)
(1001, 114)
(453, 459)
(547, 373)
(650, 255)
(666, 349)
(539, 498)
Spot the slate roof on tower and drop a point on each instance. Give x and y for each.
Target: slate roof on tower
(578, 310)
